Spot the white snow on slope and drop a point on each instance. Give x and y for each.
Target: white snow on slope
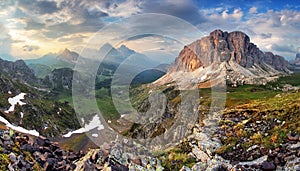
(18, 128)
(93, 124)
(13, 101)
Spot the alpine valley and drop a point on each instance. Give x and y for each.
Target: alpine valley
(257, 128)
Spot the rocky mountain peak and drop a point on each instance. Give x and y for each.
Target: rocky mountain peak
(68, 55)
(125, 51)
(229, 52)
(221, 46)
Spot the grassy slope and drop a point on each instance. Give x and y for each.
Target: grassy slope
(256, 95)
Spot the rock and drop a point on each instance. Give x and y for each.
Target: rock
(201, 136)
(51, 163)
(294, 146)
(293, 137)
(235, 50)
(268, 166)
(252, 148)
(185, 168)
(18, 70)
(10, 167)
(88, 165)
(136, 160)
(6, 137)
(58, 152)
(116, 153)
(257, 161)
(200, 155)
(13, 158)
(47, 143)
(199, 166)
(293, 164)
(27, 147)
(39, 141)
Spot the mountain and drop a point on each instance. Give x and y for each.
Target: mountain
(59, 79)
(126, 56)
(222, 54)
(125, 51)
(30, 110)
(68, 56)
(123, 63)
(295, 64)
(44, 65)
(18, 71)
(150, 75)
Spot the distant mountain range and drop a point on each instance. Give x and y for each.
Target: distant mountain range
(67, 59)
(220, 55)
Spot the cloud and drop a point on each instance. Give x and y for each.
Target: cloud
(73, 38)
(186, 10)
(38, 7)
(120, 8)
(140, 37)
(266, 35)
(237, 14)
(32, 25)
(253, 10)
(29, 48)
(5, 40)
(284, 48)
(282, 31)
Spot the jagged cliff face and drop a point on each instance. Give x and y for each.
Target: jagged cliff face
(59, 78)
(224, 55)
(18, 70)
(221, 47)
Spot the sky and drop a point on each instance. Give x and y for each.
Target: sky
(33, 28)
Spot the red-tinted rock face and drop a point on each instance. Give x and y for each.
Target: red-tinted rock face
(222, 46)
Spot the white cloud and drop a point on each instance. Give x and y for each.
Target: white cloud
(253, 10)
(237, 14)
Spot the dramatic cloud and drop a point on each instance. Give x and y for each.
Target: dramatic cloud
(32, 25)
(186, 10)
(266, 35)
(73, 38)
(30, 48)
(54, 24)
(38, 7)
(5, 40)
(284, 48)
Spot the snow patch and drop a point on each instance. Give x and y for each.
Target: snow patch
(13, 101)
(18, 128)
(95, 123)
(22, 114)
(95, 135)
(9, 92)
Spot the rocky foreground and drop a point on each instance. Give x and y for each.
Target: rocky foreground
(23, 152)
(261, 135)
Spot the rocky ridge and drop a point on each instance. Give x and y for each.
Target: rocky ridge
(18, 70)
